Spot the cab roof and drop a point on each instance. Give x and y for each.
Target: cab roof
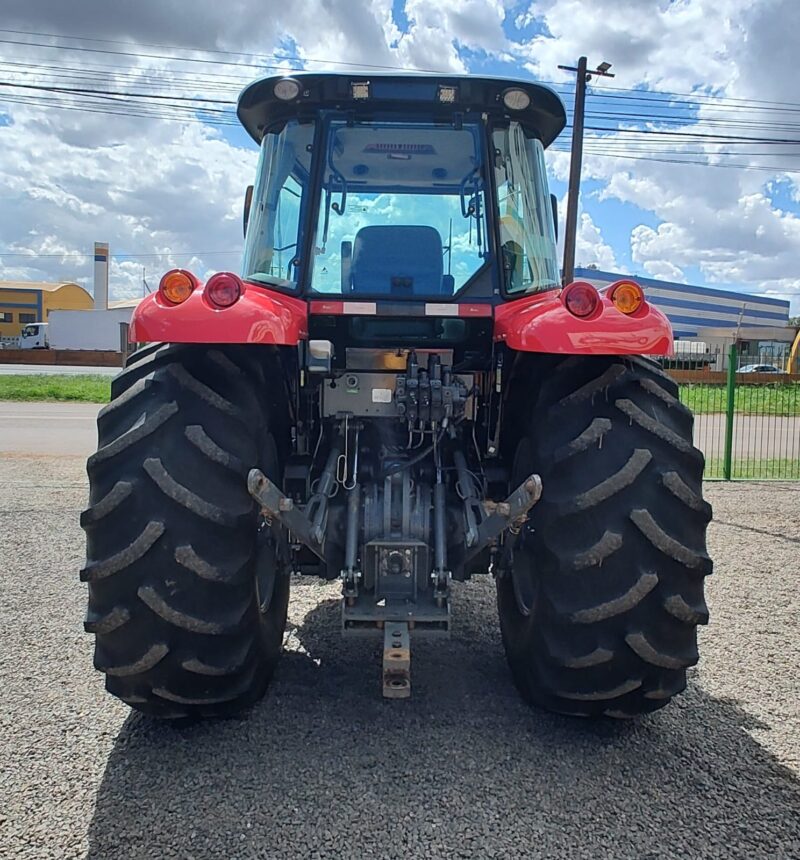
(259, 107)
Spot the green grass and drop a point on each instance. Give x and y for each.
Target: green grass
(788, 470)
(769, 400)
(701, 399)
(89, 388)
(776, 399)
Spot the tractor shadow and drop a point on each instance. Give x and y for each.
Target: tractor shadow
(324, 767)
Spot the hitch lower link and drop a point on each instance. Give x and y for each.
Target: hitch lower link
(485, 521)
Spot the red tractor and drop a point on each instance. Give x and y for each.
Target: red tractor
(396, 393)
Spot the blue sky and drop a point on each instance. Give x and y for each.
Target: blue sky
(166, 191)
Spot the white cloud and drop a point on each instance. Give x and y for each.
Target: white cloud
(477, 24)
(591, 248)
(661, 43)
(157, 188)
(664, 271)
(68, 178)
(745, 242)
(720, 221)
(163, 190)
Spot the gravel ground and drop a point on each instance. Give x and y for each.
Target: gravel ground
(325, 768)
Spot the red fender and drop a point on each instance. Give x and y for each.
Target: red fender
(259, 316)
(542, 323)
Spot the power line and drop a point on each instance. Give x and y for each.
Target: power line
(237, 63)
(139, 74)
(201, 108)
(225, 53)
(140, 55)
(140, 95)
(211, 120)
(763, 168)
(120, 94)
(142, 114)
(636, 97)
(691, 99)
(694, 97)
(693, 135)
(84, 91)
(118, 256)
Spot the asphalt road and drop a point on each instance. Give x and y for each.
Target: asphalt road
(69, 429)
(48, 429)
(325, 768)
(55, 369)
(757, 437)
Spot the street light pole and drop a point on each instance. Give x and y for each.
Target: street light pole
(576, 156)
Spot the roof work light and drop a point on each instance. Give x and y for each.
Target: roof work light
(286, 89)
(516, 99)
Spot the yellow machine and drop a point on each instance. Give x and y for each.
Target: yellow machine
(793, 362)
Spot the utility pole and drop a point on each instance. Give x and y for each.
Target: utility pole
(571, 229)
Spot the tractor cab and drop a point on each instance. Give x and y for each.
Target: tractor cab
(401, 188)
(383, 396)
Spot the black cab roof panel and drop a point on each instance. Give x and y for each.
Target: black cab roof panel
(259, 107)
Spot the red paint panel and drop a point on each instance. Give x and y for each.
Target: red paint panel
(321, 307)
(467, 310)
(541, 323)
(259, 316)
(348, 308)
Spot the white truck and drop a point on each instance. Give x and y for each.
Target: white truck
(35, 336)
(90, 329)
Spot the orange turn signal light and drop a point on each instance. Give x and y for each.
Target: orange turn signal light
(177, 285)
(626, 296)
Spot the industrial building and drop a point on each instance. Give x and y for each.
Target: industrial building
(691, 309)
(24, 302)
(715, 319)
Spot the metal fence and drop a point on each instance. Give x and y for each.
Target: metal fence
(747, 417)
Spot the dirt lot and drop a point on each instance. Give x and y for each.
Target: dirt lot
(325, 768)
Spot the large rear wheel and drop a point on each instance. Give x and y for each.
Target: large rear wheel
(600, 608)
(188, 588)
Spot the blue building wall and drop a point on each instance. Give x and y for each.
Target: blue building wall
(690, 308)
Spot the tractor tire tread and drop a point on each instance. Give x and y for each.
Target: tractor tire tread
(173, 552)
(615, 550)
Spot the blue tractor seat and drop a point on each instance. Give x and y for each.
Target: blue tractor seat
(397, 261)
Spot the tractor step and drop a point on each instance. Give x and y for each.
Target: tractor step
(396, 661)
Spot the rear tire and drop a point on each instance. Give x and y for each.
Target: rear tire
(600, 610)
(188, 588)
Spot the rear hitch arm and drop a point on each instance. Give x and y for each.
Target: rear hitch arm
(278, 507)
(502, 516)
(306, 525)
